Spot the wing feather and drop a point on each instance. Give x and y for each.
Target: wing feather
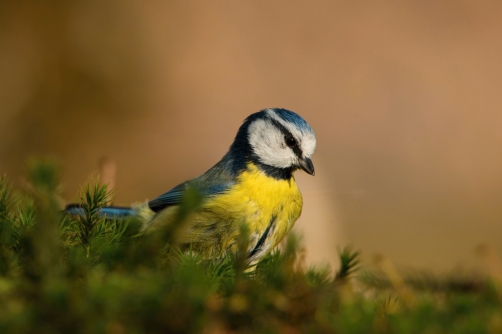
(175, 195)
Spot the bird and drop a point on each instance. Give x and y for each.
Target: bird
(252, 184)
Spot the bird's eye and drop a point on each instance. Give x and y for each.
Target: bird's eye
(290, 141)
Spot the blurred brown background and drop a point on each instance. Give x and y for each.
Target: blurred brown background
(404, 97)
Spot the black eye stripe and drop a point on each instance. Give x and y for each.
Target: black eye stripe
(296, 149)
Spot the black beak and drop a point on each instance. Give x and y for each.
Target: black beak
(307, 165)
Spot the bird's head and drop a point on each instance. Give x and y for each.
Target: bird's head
(279, 140)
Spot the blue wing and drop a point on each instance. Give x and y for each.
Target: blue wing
(175, 195)
(110, 212)
(172, 197)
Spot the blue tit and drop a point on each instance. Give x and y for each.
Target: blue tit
(252, 184)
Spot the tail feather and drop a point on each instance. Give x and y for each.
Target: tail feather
(111, 212)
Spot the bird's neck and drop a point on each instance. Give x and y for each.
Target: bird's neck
(274, 172)
(241, 160)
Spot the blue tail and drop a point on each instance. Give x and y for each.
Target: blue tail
(110, 212)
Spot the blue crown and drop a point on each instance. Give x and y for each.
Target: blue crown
(294, 118)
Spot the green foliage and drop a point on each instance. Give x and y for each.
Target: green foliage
(349, 260)
(93, 232)
(87, 274)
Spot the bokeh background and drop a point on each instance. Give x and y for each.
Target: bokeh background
(404, 97)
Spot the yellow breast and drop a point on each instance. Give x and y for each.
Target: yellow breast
(260, 200)
(257, 200)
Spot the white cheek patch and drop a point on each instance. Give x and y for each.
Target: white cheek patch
(267, 142)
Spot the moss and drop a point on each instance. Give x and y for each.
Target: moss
(90, 275)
